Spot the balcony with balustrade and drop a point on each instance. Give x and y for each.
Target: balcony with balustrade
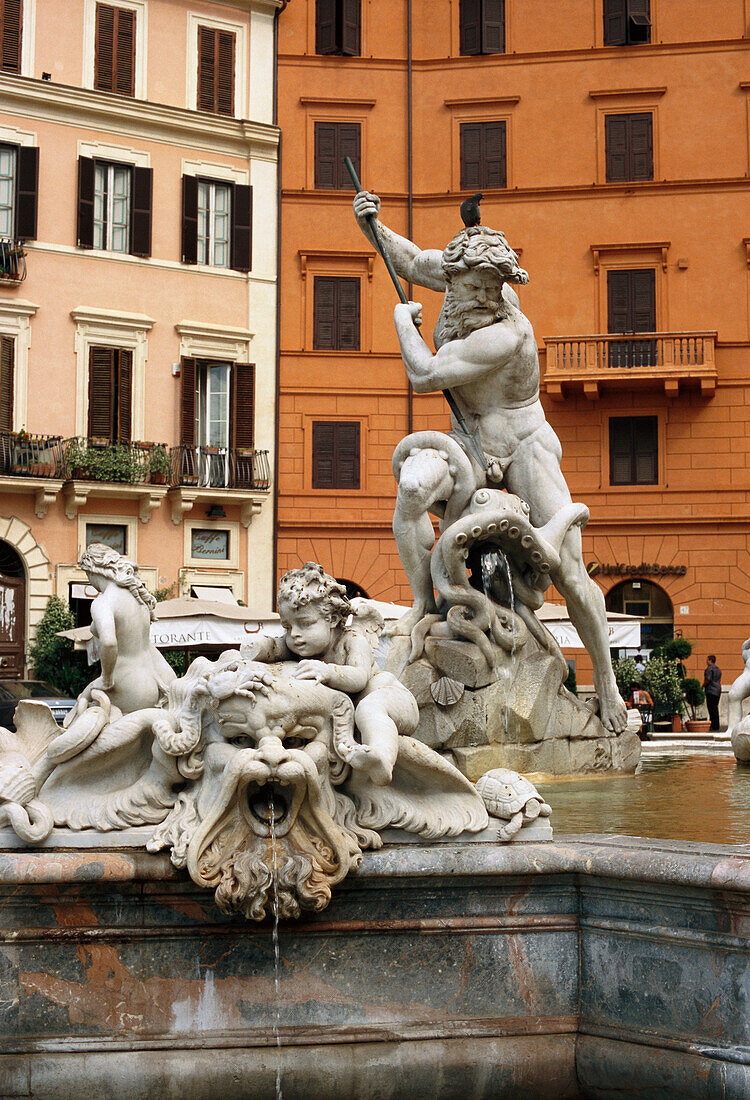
(219, 475)
(86, 467)
(669, 361)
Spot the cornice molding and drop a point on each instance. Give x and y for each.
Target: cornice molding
(618, 93)
(17, 307)
(336, 101)
(662, 247)
(483, 101)
(112, 318)
(142, 119)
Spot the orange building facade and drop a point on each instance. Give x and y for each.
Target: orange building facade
(138, 148)
(620, 173)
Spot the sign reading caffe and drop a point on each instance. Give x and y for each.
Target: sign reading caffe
(618, 569)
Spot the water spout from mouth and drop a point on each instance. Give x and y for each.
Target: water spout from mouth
(275, 885)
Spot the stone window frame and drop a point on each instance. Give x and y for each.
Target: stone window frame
(354, 264)
(241, 31)
(625, 257)
(129, 522)
(629, 101)
(230, 525)
(307, 450)
(492, 109)
(15, 322)
(140, 72)
(115, 329)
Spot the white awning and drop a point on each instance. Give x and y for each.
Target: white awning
(621, 635)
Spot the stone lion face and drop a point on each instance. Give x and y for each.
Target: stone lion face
(275, 835)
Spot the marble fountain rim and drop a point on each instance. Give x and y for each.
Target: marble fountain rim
(595, 856)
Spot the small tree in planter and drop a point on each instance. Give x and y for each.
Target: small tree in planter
(664, 684)
(695, 696)
(159, 464)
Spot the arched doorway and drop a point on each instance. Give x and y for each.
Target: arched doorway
(12, 612)
(352, 589)
(650, 603)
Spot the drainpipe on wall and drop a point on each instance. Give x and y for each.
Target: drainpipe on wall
(275, 552)
(409, 152)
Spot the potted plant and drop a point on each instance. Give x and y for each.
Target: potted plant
(695, 696)
(663, 682)
(159, 465)
(22, 454)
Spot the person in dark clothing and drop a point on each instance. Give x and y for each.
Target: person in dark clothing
(712, 687)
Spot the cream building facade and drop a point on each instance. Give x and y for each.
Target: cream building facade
(138, 271)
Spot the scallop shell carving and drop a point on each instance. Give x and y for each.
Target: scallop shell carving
(447, 691)
(17, 783)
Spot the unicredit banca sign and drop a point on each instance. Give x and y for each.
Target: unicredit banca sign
(644, 569)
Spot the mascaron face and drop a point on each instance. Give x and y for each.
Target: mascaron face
(308, 632)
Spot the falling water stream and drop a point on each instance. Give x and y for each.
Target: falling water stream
(277, 983)
(493, 561)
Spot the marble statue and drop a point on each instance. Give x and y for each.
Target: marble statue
(267, 771)
(738, 728)
(487, 357)
(134, 673)
(513, 799)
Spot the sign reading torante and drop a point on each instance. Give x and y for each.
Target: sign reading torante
(644, 569)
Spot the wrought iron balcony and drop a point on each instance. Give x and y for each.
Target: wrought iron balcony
(12, 261)
(220, 467)
(614, 360)
(26, 455)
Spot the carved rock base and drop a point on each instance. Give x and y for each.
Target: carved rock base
(524, 720)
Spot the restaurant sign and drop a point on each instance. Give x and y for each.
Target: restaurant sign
(594, 568)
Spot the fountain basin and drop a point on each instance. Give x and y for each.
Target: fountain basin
(569, 969)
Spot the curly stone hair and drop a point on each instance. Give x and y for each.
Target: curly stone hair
(311, 584)
(480, 247)
(101, 559)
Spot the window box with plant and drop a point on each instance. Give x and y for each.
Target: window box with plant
(98, 459)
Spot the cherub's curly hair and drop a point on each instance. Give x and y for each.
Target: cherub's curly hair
(480, 247)
(311, 584)
(98, 558)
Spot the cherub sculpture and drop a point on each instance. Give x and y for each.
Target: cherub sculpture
(331, 639)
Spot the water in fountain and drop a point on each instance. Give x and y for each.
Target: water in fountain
(493, 562)
(277, 983)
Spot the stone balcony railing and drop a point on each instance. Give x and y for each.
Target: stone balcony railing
(84, 467)
(669, 360)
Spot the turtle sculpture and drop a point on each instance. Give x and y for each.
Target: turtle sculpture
(512, 798)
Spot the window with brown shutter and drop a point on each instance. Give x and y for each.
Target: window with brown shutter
(481, 26)
(7, 371)
(335, 454)
(110, 393)
(11, 12)
(216, 60)
(634, 450)
(100, 232)
(626, 22)
(631, 307)
(242, 405)
(483, 156)
(333, 142)
(336, 313)
(27, 190)
(629, 147)
(338, 27)
(114, 55)
(188, 403)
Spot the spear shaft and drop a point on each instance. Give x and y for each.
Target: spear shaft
(452, 403)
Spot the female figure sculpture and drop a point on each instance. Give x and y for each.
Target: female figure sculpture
(134, 674)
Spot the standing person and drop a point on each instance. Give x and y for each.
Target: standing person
(712, 687)
(639, 665)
